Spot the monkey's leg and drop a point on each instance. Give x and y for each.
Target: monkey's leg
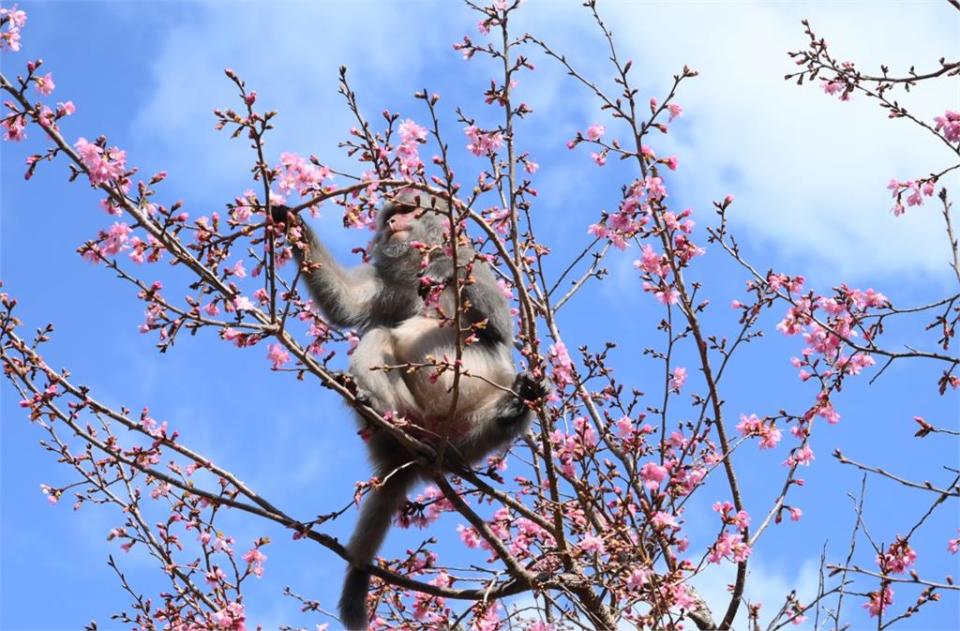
(385, 389)
(504, 418)
(378, 510)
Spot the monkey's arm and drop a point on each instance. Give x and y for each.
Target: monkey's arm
(487, 302)
(343, 294)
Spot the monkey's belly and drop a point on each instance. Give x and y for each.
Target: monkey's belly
(431, 351)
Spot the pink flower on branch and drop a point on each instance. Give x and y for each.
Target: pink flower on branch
(897, 558)
(595, 131)
(296, 174)
(752, 426)
(879, 601)
(412, 136)
(14, 128)
(104, 166)
(45, 84)
(663, 520)
(278, 356)
(483, 142)
(13, 20)
(255, 560)
(652, 475)
(729, 546)
(678, 378)
(800, 456)
(562, 365)
(949, 124)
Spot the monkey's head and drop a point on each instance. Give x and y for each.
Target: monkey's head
(411, 215)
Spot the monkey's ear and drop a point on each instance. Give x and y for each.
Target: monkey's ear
(279, 213)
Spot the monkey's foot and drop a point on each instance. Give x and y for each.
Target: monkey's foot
(515, 409)
(346, 380)
(364, 397)
(528, 388)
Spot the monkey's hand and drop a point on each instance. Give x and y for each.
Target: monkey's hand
(440, 268)
(280, 213)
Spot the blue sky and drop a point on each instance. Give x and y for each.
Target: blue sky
(808, 173)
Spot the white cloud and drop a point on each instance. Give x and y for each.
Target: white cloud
(290, 54)
(809, 172)
(764, 585)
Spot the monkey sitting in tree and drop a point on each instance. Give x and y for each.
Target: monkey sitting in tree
(399, 327)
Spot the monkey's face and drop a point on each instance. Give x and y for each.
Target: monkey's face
(403, 220)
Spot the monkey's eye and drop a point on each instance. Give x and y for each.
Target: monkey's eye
(403, 209)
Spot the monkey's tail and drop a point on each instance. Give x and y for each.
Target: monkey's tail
(377, 512)
(353, 599)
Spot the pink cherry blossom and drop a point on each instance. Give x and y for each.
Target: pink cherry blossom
(13, 128)
(678, 378)
(52, 495)
(237, 269)
(664, 520)
(729, 546)
(482, 142)
(651, 261)
(296, 174)
(103, 166)
(595, 131)
(242, 303)
(949, 123)
(45, 84)
(592, 543)
(897, 558)
(116, 239)
(652, 475)
(409, 131)
(667, 296)
(469, 536)
(562, 366)
(255, 559)
(278, 355)
(15, 19)
(832, 87)
(879, 601)
(800, 456)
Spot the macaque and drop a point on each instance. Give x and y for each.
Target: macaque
(400, 327)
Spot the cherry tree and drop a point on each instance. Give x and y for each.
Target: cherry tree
(585, 522)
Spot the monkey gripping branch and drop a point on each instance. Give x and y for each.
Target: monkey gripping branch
(445, 341)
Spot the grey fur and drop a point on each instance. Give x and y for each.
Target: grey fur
(381, 300)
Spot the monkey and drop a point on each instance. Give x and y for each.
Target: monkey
(382, 300)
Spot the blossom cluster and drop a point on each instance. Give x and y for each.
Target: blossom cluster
(104, 166)
(11, 21)
(411, 137)
(300, 175)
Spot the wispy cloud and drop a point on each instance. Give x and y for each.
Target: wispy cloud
(809, 172)
(765, 584)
